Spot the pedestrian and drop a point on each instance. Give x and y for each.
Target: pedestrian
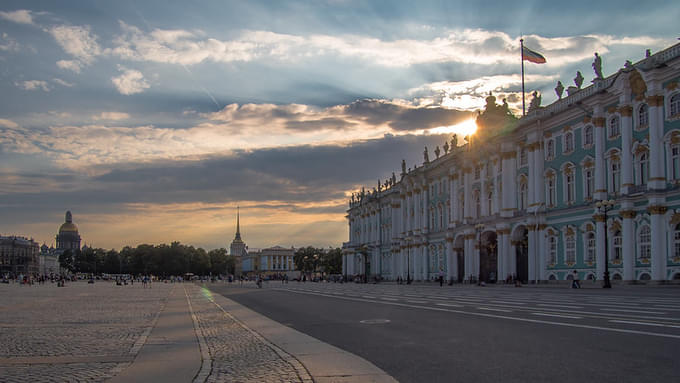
(441, 280)
(575, 284)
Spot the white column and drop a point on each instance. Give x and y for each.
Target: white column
(532, 175)
(540, 252)
(659, 243)
(450, 271)
(469, 256)
(426, 208)
(600, 167)
(424, 263)
(512, 259)
(467, 204)
(628, 245)
(599, 246)
(539, 179)
(416, 209)
(508, 175)
(496, 190)
(453, 187)
(657, 179)
(500, 256)
(533, 264)
(483, 192)
(626, 145)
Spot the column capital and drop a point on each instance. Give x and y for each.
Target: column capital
(599, 122)
(598, 217)
(626, 110)
(655, 100)
(657, 209)
(627, 214)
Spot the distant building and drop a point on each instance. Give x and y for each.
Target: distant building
(19, 255)
(276, 260)
(238, 248)
(68, 237)
(49, 260)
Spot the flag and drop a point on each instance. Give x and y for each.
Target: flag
(534, 57)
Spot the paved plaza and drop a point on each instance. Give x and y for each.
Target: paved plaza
(171, 332)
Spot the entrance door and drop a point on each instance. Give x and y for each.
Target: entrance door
(460, 258)
(488, 258)
(522, 251)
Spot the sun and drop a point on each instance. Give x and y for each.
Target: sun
(462, 129)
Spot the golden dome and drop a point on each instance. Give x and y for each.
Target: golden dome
(68, 227)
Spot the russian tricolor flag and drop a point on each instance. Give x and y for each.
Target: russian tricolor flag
(534, 57)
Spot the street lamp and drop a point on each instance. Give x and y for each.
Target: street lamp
(479, 227)
(603, 207)
(408, 257)
(316, 258)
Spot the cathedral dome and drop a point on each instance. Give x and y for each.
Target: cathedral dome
(68, 227)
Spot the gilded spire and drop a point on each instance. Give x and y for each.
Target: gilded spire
(238, 226)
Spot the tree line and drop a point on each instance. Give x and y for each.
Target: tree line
(179, 259)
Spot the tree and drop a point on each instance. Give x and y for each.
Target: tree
(218, 261)
(304, 258)
(332, 261)
(66, 260)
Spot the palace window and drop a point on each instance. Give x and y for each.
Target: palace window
(477, 172)
(523, 193)
(642, 168)
(477, 202)
(569, 189)
(441, 217)
(645, 243)
(590, 247)
(552, 250)
(675, 105)
(523, 157)
(570, 249)
(614, 176)
(588, 183)
(550, 150)
(550, 190)
(568, 142)
(489, 203)
(643, 116)
(432, 219)
(675, 162)
(617, 248)
(461, 205)
(588, 136)
(614, 127)
(676, 241)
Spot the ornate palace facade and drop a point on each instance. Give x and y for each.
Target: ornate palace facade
(519, 199)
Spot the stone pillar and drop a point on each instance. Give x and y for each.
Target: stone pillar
(541, 251)
(628, 245)
(509, 156)
(512, 259)
(409, 211)
(453, 187)
(468, 253)
(600, 165)
(483, 190)
(424, 262)
(426, 208)
(659, 243)
(417, 207)
(539, 179)
(451, 265)
(531, 196)
(599, 245)
(657, 178)
(627, 182)
(467, 202)
(533, 254)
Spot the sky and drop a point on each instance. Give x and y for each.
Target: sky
(152, 121)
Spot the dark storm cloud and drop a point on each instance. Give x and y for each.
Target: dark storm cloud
(405, 118)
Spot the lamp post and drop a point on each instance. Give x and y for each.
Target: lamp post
(408, 257)
(316, 258)
(604, 207)
(478, 228)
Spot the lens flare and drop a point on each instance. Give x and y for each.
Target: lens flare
(462, 129)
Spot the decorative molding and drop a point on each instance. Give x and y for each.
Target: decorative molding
(655, 100)
(587, 119)
(502, 231)
(599, 122)
(598, 217)
(657, 178)
(469, 236)
(611, 110)
(627, 214)
(657, 209)
(508, 155)
(672, 85)
(675, 219)
(542, 226)
(626, 111)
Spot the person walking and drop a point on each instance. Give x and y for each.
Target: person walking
(575, 284)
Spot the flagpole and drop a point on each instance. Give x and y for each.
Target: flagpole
(521, 49)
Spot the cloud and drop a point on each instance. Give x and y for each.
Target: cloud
(111, 116)
(8, 123)
(63, 83)
(8, 44)
(21, 16)
(33, 85)
(77, 41)
(130, 82)
(468, 46)
(72, 65)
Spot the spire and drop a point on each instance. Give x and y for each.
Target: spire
(238, 227)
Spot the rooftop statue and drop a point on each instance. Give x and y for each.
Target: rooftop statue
(394, 179)
(454, 141)
(426, 156)
(437, 151)
(535, 101)
(495, 119)
(597, 66)
(578, 80)
(403, 166)
(446, 147)
(559, 89)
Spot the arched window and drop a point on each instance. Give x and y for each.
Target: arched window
(432, 219)
(588, 183)
(614, 175)
(568, 142)
(461, 205)
(676, 241)
(523, 157)
(675, 162)
(478, 205)
(477, 172)
(570, 248)
(617, 249)
(643, 116)
(441, 217)
(550, 149)
(569, 187)
(590, 247)
(645, 243)
(675, 105)
(550, 190)
(614, 127)
(552, 250)
(522, 193)
(489, 202)
(642, 168)
(588, 136)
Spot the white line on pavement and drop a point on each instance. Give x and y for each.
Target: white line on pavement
(562, 306)
(557, 315)
(635, 311)
(644, 323)
(492, 309)
(449, 304)
(416, 301)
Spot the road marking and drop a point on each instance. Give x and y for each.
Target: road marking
(416, 301)
(497, 316)
(557, 315)
(389, 299)
(509, 302)
(449, 304)
(635, 311)
(644, 323)
(368, 297)
(492, 309)
(563, 306)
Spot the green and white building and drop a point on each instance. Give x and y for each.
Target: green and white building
(520, 198)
